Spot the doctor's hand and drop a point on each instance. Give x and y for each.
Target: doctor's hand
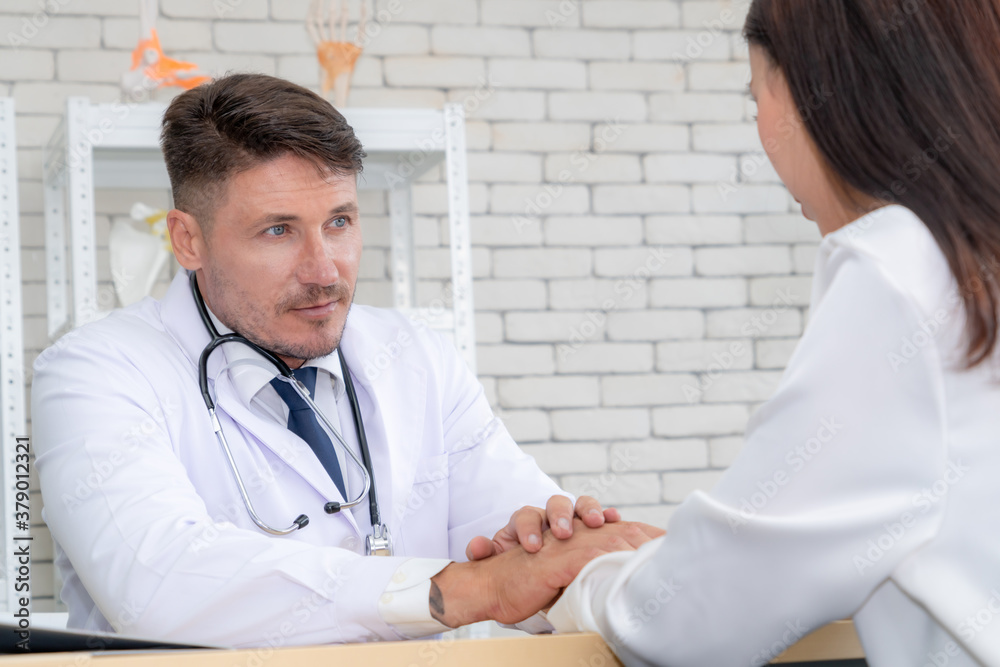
(528, 523)
(515, 584)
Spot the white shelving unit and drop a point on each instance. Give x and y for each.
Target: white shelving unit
(117, 146)
(12, 415)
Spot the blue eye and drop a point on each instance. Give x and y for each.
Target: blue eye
(276, 230)
(340, 222)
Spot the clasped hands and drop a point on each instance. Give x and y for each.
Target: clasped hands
(524, 568)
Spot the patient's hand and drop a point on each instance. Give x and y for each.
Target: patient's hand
(515, 584)
(526, 526)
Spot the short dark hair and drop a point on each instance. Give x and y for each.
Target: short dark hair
(239, 121)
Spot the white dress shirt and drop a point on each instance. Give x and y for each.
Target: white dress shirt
(866, 487)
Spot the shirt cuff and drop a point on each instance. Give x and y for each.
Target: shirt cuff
(404, 602)
(581, 604)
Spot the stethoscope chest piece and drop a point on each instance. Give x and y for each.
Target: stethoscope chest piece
(379, 543)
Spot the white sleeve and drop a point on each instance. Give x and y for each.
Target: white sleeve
(824, 501)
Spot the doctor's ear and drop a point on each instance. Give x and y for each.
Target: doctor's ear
(187, 239)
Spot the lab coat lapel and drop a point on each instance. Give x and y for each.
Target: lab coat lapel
(180, 319)
(398, 395)
(287, 446)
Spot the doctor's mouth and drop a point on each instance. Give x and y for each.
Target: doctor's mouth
(318, 311)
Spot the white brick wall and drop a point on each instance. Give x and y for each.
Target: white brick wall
(541, 136)
(591, 293)
(465, 40)
(583, 44)
(616, 131)
(547, 75)
(675, 45)
(630, 14)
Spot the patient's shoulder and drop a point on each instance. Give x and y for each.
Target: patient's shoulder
(903, 249)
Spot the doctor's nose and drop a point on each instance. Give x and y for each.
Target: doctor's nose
(317, 263)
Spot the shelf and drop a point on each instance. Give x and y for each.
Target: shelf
(12, 378)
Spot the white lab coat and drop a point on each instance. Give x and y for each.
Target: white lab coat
(867, 487)
(152, 536)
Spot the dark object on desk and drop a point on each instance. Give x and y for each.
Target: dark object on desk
(48, 640)
(826, 663)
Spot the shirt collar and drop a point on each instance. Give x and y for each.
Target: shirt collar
(250, 372)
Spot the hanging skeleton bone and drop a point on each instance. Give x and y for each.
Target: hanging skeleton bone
(152, 69)
(337, 56)
(138, 255)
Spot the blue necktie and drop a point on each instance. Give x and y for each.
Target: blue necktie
(302, 422)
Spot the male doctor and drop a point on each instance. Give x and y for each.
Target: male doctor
(153, 537)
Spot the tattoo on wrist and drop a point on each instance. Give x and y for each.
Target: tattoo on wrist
(436, 602)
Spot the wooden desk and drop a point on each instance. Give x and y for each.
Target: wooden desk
(835, 642)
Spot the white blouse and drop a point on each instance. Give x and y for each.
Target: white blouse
(868, 486)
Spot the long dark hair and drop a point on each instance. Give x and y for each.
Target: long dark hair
(914, 118)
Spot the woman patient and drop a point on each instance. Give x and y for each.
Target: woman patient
(868, 485)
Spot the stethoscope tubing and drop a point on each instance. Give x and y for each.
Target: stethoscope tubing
(286, 374)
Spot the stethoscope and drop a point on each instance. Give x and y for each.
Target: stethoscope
(379, 543)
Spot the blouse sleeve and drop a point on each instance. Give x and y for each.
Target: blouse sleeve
(827, 497)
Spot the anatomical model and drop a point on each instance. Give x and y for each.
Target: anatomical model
(151, 69)
(337, 57)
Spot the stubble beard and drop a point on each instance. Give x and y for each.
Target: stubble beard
(238, 311)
